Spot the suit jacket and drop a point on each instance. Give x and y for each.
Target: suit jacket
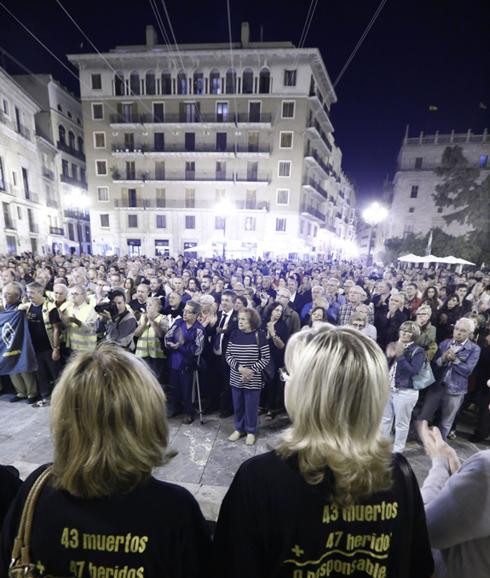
(232, 325)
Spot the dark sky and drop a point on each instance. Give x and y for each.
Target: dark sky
(418, 53)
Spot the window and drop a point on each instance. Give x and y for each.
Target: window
(132, 198)
(190, 222)
(181, 83)
(230, 82)
(190, 170)
(483, 161)
(282, 196)
(74, 171)
(290, 77)
(286, 140)
(250, 223)
(160, 196)
(221, 141)
(198, 83)
(71, 140)
(190, 198)
(189, 111)
(60, 108)
(104, 220)
(161, 222)
(25, 179)
(166, 83)
(130, 170)
(97, 111)
(162, 248)
(119, 87)
(133, 221)
(219, 223)
(254, 109)
(411, 210)
(2, 176)
(251, 200)
(190, 141)
(102, 194)
(281, 225)
(158, 112)
(129, 141)
(248, 81)
(5, 106)
(6, 216)
(214, 82)
(414, 192)
(71, 232)
(134, 83)
(101, 168)
(62, 135)
(19, 213)
(253, 141)
(96, 81)
(221, 112)
(64, 168)
(14, 176)
(288, 108)
(99, 140)
(150, 85)
(252, 170)
(284, 169)
(418, 162)
(264, 81)
(159, 141)
(160, 170)
(220, 170)
(219, 195)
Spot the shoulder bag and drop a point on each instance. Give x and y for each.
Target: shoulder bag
(269, 371)
(424, 377)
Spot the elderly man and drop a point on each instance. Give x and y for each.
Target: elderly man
(354, 298)
(290, 317)
(317, 300)
(138, 304)
(389, 318)
(79, 319)
(456, 359)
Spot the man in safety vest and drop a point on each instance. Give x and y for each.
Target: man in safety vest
(151, 329)
(80, 320)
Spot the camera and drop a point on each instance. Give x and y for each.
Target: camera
(108, 306)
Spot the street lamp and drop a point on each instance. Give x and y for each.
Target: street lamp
(77, 202)
(224, 209)
(373, 215)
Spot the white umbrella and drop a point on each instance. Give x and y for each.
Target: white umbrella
(410, 258)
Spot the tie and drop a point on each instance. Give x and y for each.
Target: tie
(218, 340)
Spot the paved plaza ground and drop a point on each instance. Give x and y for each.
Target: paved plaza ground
(205, 461)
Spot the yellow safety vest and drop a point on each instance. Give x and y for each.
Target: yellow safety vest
(149, 344)
(77, 338)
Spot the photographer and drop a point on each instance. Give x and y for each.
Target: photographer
(116, 322)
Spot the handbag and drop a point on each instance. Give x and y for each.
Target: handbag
(21, 565)
(269, 372)
(424, 377)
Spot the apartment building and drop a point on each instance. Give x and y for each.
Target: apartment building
(206, 148)
(412, 205)
(26, 166)
(59, 122)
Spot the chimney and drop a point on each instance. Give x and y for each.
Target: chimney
(245, 34)
(151, 37)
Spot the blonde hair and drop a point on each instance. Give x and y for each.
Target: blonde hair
(109, 423)
(336, 396)
(411, 327)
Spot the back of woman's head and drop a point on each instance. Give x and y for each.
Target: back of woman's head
(109, 423)
(335, 396)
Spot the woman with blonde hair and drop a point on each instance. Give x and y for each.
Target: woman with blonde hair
(331, 500)
(100, 509)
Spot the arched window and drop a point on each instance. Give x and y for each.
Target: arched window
(264, 81)
(166, 83)
(181, 83)
(62, 134)
(214, 82)
(71, 140)
(150, 83)
(248, 81)
(198, 83)
(134, 83)
(80, 144)
(119, 84)
(230, 81)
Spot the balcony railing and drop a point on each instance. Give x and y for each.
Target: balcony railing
(264, 117)
(199, 148)
(246, 148)
(57, 231)
(173, 176)
(72, 181)
(24, 131)
(77, 214)
(48, 173)
(312, 183)
(182, 204)
(312, 211)
(323, 135)
(253, 177)
(70, 150)
(195, 118)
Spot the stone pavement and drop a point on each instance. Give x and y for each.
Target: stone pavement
(205, 461)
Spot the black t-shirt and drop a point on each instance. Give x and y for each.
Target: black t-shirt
(155, 531)
(137, 307)
(9, 484)
(37, 329)
(273, 524)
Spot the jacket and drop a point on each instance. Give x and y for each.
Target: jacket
(455, 373)
(408, 365)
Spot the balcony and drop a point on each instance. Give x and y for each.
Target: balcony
(309, 182)
(172, 176)
(77, 214)
(144, 204)
(62, 146)
(23, 131)
(309, 210)
(252, 177)
(317, 132)
(198, 148)
(9, 224)
(52, 203)
(262, 149)
(72, 181)
(195, 118)
(253, 118)
(57, 231)
(131, 118)
(48, 174)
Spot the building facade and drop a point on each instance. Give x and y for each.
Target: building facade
(412, 205)
(212, 148)
(59, 122)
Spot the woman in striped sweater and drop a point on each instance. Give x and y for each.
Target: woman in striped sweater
(247, 355)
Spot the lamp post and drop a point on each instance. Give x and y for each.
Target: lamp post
(76, 202)
(373, 215)
(224, 209)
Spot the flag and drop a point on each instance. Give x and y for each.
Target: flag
(16, 350)
(428, 249)
(433, 108)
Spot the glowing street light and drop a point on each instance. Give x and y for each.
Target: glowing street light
(224, 209)
(373, 215)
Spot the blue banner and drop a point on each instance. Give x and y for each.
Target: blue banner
(16, 350)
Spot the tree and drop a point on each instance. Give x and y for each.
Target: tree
(469, 198)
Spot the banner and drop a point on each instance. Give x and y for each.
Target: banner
(16, 350)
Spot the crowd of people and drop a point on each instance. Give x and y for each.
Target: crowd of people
(229, 322)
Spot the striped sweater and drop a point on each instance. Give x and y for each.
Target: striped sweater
(243, 350)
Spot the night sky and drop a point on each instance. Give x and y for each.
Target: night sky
(418, 53)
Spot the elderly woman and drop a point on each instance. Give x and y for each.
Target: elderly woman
(247, 355)
(405, 359)
(100, 507)
(331, 500)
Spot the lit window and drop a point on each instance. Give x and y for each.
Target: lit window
(483, 161)
(250, 223)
